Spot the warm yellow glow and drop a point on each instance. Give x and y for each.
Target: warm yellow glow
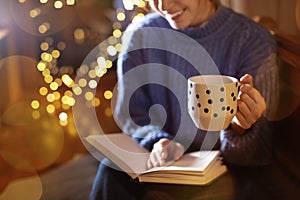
(109, 64)
(63, 123)
(139, 17)
(50, 108)
(50, 97)
(68, 93)
(96, 102)
(46, 57)
(67, 80)
(79, 34)
(53, 86)
(56, 95)
(34, 13)
(71, 101)
(36, 114)
(111, 50)
(70, 2)
(117, 33)
(92, 74)
(65, 99)
(140, 3)
(48, 79)
(44, 46)
(43, 1)
(63, 116)
(108, 112)
(93, 84)
(99, 72)
(58, 81)
(43, 28)
(43, 91)
(82, 82)
(46, 72)
(89, 96)
(35, 104)
(22, 1)
(77, 90)
(65, 106)
(41, 66)
(118, 47)
(128, 4)
(121, 16)
(58, 4)
(101, 62)
(55, 54)
(108, 94)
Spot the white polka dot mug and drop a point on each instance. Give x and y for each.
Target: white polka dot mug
(212, 101)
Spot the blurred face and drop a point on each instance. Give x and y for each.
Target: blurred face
(184, 13)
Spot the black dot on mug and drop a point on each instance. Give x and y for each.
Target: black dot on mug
(221, 99)
(197, 96)
(215, 115)
(191, 85)
(190, 92)
(193, 108)
(236, 84)
(210, 101)
(223, 108)
(222, 89)
(234, 98)
(208, 91)
(232, 94)
(199, 105)
(232, 110)
(228, 108)
(206, 110)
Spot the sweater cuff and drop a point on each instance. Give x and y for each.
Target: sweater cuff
(152, 137)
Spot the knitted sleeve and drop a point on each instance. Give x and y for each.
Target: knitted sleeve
(255, 146)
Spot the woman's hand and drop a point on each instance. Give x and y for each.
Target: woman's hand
(251, 105)
(163, 151)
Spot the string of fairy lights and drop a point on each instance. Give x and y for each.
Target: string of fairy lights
(58, 100)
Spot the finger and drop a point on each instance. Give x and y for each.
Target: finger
(153, 159)
(247, 79)
(160, 151)
(149, 164)
(242, 121)
(246, 113)
(255, 95)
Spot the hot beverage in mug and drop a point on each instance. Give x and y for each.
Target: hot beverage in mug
(212, 101)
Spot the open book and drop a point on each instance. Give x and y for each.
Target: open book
(195, 168)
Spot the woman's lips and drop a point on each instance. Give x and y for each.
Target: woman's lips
(176, 15)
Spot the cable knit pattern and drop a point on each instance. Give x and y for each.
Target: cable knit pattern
(237, 46)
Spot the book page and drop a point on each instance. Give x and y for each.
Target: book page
(198, 161)
(122, 150)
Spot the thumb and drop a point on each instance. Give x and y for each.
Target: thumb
(247, 79)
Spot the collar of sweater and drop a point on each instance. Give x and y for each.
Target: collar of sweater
(211, 26)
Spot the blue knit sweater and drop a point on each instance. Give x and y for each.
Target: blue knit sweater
(156, 62)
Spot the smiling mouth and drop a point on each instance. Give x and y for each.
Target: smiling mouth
(176, 14)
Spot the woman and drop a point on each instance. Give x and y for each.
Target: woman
(162, 45)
